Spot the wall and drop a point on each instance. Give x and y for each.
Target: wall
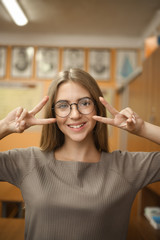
(70, 40)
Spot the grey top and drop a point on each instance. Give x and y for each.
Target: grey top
(69, 200)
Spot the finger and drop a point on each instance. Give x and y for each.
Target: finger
(134, 120)
(23, 114)
(128, 113)
(45, 121)
(111, 109)
(20, 126)
(39, 106)
(19, 112)
(131, 120)
(104, 120)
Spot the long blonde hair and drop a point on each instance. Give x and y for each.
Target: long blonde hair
(52, 138)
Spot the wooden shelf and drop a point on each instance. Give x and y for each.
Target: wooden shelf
(155, 187)
(148, 197)
(145, 230)
(144, 99)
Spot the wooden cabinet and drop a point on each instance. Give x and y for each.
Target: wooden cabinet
(144, 98)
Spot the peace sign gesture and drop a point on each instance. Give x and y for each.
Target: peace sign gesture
(126, 119)
(20, 119)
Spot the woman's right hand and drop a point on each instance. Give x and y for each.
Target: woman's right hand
(20, 119)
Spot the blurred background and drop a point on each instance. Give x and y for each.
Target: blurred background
(116, 41)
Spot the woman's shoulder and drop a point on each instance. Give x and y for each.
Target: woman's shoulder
(30, 154)
(111, 155)
(19, 162)
(125, 159)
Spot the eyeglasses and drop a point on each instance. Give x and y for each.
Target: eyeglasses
(84, 106)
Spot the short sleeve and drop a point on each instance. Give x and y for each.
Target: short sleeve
(15, 164)
(139, 168)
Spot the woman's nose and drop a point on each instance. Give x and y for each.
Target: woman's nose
(74, 112)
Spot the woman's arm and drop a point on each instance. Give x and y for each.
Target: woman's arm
(151, 132)
(128, 120)
(3, 129)
(20, 119)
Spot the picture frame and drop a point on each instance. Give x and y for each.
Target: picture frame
(3, 60)
(126, 63)
(47, 62)
(73, 58)
(22, 62)
(99, 64)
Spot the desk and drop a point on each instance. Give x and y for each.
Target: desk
(10, 193)
(12, 229)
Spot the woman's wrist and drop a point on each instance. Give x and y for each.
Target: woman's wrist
(4, 131)
(150, 132)
(142, 131)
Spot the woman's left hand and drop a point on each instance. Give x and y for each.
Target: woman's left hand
(126, 119)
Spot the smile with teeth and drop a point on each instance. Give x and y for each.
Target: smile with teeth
(76, 126)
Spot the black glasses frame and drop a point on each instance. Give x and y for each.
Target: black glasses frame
(54, 113)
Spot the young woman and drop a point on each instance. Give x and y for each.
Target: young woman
(72, 186)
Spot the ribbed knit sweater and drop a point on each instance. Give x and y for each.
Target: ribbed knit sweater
(70, 200)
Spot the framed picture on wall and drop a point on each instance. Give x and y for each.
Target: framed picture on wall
(73, 58)
(3, 60)
(22, 62)
(99, 64)
(126, 63)
(47, 62)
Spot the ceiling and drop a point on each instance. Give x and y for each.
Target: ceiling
(109, 18)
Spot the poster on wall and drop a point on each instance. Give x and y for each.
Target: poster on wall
(47, 62)
(22, 62)
(99, 64)
(3, 60)
(73, 58)
(126, 63)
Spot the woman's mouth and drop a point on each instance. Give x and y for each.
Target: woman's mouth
(76, 126)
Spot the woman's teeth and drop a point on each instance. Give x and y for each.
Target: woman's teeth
(76, 126)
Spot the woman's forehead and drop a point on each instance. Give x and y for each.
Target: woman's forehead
(71, 91)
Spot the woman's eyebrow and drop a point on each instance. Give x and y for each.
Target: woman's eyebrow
(64, 100)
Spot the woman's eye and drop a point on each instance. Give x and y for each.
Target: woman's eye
(85, 103)
(62, 105)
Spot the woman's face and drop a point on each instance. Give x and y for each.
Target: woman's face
(76, 126)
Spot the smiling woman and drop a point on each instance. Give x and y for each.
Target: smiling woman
(52, 137)
(72, 186)
(75, 121)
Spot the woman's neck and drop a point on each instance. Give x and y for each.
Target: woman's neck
(77, 151)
